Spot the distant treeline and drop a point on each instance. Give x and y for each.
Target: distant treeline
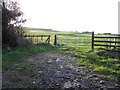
(110, 34)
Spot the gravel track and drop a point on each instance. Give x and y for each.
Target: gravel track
(53, 70)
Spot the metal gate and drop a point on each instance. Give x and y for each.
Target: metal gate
(74, 40)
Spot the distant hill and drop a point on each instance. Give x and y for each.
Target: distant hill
(30, 28)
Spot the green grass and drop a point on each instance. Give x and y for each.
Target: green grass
(72, 39)
(52, 33)
(16, 54)
(101, 61)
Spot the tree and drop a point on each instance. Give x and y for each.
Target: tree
(11, 23)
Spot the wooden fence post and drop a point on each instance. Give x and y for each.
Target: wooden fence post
(92, 40)
(55, 40)
(42, 38)
(49, 39)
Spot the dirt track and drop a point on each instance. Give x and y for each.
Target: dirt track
(52, 70)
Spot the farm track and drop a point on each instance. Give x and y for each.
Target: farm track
(53, 70)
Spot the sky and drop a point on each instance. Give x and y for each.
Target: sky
(100, 16)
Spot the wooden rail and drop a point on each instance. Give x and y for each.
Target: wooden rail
(106, 37)
(110, 43)
(39, 38)
(107, 41)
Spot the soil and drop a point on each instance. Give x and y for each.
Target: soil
(53, 70)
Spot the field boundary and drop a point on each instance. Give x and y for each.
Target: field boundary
(111, 41)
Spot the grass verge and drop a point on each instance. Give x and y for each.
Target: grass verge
(16, 54)
(102, 61)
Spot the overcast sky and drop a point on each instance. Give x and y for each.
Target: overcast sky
(72, 15)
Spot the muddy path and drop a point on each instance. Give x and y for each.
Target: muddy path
(53, 70)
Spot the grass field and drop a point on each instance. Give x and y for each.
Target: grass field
(43, 32)
(73, 39)
(66, 38)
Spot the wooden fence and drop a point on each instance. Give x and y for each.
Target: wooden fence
(77, 40)
(108, 41)
(37, 39)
